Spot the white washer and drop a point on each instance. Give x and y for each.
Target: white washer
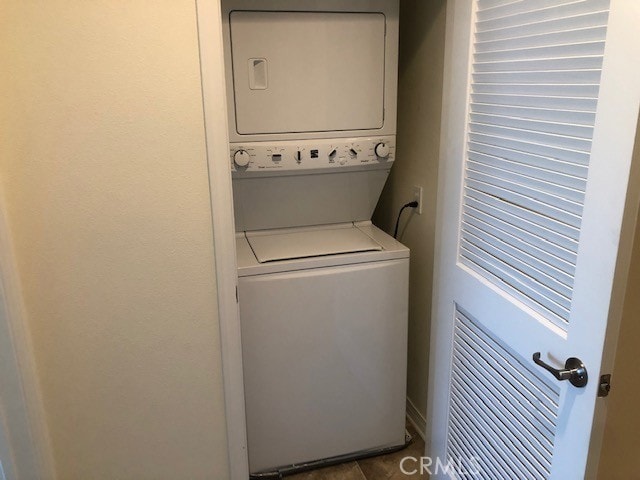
(324, 341)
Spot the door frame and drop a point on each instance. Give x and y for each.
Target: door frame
(214, 96)
(25, 428)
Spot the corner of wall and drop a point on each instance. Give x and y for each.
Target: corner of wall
(618, 412)
(27, 431)
(421, 63)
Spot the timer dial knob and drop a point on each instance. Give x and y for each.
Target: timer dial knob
(382, 150)
(241, 158)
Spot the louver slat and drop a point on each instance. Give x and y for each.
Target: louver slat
(545, 249)
(569, 129)
(529, 426)
(556, 51)
(568, 36)
(533, 97)
(537, 13)
(532, 147)
(534, 279)
(579, 104)
(514, 238)
(529, 134)
(553, 230)
(569, 185)
(517, 65)
(569, 198)
(530, 158)
(502, 417)
(521, 27)
(526, 197)
(535, 112)
(491, 9)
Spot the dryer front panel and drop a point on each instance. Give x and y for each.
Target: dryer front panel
(307, 72)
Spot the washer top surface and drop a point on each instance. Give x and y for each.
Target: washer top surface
(314, 247)
(291, 244)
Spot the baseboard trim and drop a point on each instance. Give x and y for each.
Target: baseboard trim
(416, 418)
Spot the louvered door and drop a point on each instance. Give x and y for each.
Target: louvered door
(540, 113)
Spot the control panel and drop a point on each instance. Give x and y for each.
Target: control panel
(311, 154)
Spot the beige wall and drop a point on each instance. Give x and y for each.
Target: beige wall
(421, 63)
(104, 172)
(620, 455)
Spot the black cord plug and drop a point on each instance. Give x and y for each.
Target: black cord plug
(413, 204)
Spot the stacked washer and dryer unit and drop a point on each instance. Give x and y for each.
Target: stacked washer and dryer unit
(322, 292)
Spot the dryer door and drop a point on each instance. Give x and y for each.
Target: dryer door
(307, 71)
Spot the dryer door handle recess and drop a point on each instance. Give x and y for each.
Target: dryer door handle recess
(258, 74)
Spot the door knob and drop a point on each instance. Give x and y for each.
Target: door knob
(574, 370)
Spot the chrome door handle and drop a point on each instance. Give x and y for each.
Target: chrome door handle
(574, 370)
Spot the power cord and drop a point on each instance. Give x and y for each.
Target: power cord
(413, 204)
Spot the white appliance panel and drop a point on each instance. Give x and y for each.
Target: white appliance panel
(292, 72)
(297, 200)
(308, 156)
(324, 356)
(282, 184)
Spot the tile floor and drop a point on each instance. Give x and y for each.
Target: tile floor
(384, 467)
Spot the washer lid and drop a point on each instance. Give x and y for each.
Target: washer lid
(304, 243)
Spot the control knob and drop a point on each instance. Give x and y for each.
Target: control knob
(241, 158)
(382, 150)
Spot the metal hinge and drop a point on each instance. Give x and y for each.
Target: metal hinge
(236, 294)
(605, 385)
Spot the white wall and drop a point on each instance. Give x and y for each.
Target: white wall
(421, 63)
(104, 172)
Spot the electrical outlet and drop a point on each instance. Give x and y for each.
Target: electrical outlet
(417, 196)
